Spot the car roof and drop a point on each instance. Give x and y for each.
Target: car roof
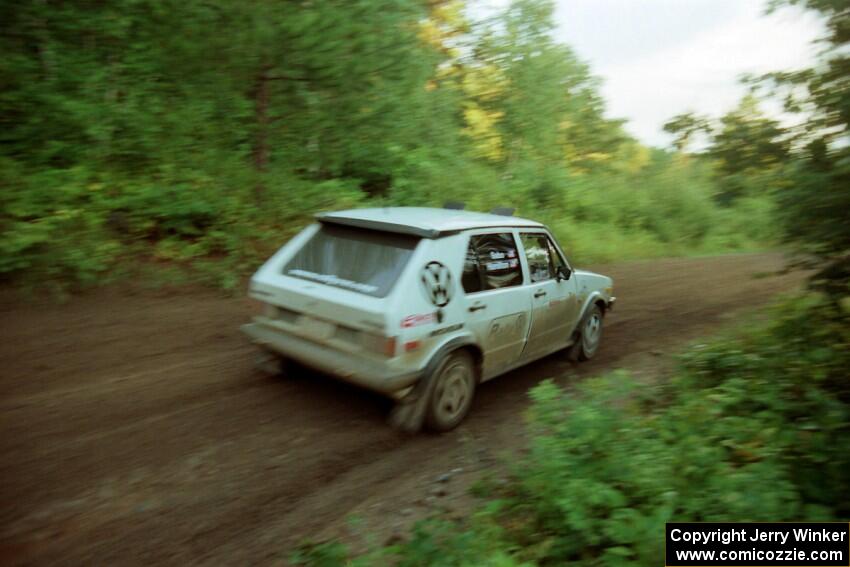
(426, 222)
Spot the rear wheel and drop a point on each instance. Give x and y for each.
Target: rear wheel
(589, 335)
(452, 394)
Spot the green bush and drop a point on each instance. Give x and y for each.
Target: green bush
(72, 227)
(754, 426)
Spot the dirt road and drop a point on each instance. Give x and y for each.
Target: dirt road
(135, 431)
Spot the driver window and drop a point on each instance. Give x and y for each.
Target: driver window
(541, 266)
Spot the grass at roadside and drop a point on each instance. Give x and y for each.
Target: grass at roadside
(752, 426)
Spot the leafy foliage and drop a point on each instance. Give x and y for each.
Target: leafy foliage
(814, 204)
(204, 134)
(754, 426)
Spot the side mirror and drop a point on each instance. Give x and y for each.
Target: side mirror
(564, 273)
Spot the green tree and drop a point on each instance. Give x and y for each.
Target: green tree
(746, 139)
(814, 206)
(684, 127)
(749, 149)
(204, 131)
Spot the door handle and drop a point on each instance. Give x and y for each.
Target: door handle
(478, 307)
(540, 293)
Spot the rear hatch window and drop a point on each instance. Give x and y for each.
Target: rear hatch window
(357, 259)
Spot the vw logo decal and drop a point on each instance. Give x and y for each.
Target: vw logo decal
(437, 283)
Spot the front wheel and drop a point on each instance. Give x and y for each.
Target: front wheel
(452, 394)
(589, 335)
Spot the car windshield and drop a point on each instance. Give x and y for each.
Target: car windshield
(357, 259)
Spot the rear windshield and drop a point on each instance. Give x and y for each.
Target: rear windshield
(357, 259)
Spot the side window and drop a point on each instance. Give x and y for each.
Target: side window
(471, 278)
(491, 262)
(538, 253)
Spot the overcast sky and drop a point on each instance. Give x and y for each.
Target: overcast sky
(658, 58)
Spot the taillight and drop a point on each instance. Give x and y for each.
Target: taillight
(378, 344)
(389, 347)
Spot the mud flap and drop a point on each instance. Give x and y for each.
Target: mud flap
(268, 363)
(408, 415)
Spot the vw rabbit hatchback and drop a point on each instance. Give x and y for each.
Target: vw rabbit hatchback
(424, 304)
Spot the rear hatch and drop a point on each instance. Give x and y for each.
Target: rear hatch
(334, 287)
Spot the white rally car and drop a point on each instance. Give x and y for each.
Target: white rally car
(423, 304)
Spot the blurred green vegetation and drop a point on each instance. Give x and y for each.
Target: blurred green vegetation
(752, 426)
(140, 135)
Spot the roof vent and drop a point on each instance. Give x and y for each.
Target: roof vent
(503, 211)
(454, 205)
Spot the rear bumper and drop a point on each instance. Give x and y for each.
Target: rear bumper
(611, 303)
(360, 371)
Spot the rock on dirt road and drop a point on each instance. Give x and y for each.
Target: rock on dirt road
(134, 430)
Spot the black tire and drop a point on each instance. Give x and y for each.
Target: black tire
(452, 392)
(588, 335)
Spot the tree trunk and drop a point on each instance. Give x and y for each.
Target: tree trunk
(261, 116)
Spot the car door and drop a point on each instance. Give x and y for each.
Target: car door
(497, 304)
(554, 299)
